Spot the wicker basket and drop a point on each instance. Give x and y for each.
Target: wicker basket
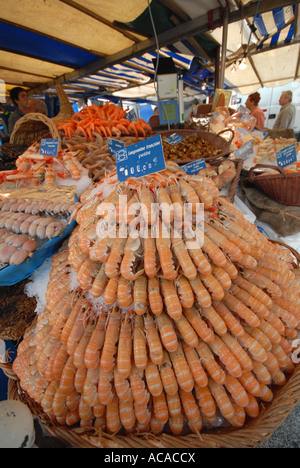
(281, 133)
(66, 109)
(214, 138)
(254, 433)
(33, 128)
(296, 254)
(282, 187)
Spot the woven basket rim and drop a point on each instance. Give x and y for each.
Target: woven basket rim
(277, 176)
(281, 174)
(190, 131)
(282, 187)
(251, 435)
(219, 141)
(291, 249)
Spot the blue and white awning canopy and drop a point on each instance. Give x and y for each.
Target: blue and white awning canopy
(271, 51)
(106, 48)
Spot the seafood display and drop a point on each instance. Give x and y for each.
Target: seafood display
(79, 156)
(26, 224)
(161, 316)
(221, 175)
(95, 156)
(108, 120)
(191, 148)
(85, 149)
(33, 168)
(266, 150)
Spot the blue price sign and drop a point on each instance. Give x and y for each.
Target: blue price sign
(286, 156)
(49, 147)
(114, 145)
(174, 139)
(140, 159)
(194, 167)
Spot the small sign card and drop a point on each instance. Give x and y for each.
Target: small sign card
(194, 167)
(49, 147)
(286, 156)
(131, 115)
(259, 134)
(114, 145)
(174, 139)
(142, 158)
(245, 152)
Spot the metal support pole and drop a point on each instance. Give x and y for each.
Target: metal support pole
(224, 48)
(217, 68)
(180, 100)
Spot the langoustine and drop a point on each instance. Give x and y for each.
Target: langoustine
(182, 348)
(26, 224)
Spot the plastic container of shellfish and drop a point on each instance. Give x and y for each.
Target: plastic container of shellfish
(13, 274)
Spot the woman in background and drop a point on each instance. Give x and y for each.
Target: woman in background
(252, 105)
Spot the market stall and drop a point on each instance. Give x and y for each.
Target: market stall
(161, 314)
(118, 57)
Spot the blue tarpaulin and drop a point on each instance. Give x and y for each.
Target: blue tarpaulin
(24, 42)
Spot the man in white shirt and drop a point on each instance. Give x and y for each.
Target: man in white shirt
(286, 116)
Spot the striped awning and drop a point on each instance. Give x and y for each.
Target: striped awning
(270, 43)
(104, 48)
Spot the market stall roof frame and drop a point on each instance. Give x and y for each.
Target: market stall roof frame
(131, 65)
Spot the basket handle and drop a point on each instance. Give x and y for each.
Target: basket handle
(266, 166)
(293, 251)
(225, 130)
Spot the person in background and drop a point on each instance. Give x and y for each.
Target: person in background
(19, 96)
(255, 111)
(36, 106)
(287, 113)
(154, 119)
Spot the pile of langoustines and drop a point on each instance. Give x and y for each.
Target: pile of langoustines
(167, 332)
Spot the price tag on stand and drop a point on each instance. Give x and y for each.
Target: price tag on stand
(142, 158)
(49, 147)
(114, 145)
(194, 167)
(286, 156)
(245, 152)
(131, 116)
(174, 139)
